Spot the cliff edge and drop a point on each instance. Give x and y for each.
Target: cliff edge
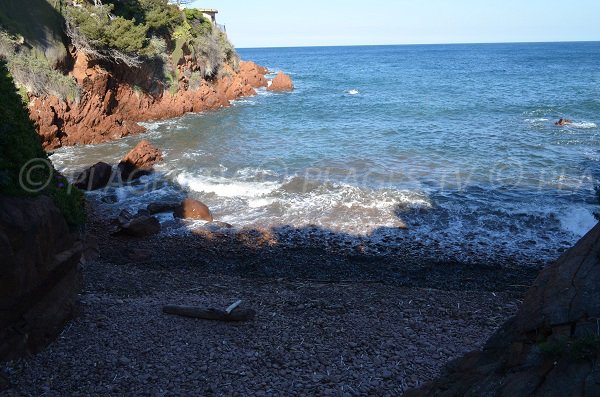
(90, 70)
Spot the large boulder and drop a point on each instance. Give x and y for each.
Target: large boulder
(40, 276)
(193, 209)
(94, 178)
(139, 161)
(281, 82)
(143, 224)
(550, 348)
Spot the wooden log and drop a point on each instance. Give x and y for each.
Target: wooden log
(236, 315)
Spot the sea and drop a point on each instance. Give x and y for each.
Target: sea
(448, 150)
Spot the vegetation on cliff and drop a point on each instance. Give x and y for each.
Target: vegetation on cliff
(39, 46)
(24, 166)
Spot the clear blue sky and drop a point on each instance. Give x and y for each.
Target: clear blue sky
(270, 23)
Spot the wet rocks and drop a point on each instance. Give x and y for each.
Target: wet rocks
(563, 122)
(281, 82)
(95, 177)
(140, 225)
(139, 161)
(162, 207)
(193, 209)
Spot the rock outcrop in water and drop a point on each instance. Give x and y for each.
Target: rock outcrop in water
(95, 177)
(563, 122)
(139, 161)
(193, 209)
(552, 346)
(282, 82)
(40, 277)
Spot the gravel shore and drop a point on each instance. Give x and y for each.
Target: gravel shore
(328, 323)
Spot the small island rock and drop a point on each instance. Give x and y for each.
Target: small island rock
(281, 82)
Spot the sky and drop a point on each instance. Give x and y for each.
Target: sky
(280, 23)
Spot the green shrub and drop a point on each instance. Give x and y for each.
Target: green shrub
(199, 25)
(96, 29)
(24, 166)
(38, 77)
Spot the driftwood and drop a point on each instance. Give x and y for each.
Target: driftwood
(231, 314)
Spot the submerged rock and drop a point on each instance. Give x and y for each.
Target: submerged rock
(139, 161)
(563, 122)
(94, 178)
(550, 348)
(281, 82)
(193, 209)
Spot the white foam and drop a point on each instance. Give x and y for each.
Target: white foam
(584, 125)
(578, 221)
(353, 92)
(225, 187)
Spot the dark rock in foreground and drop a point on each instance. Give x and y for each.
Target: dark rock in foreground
(40, 277)
(550, 348)
(94, 178)
(143, 224)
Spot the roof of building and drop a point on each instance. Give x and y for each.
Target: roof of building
(208, 10)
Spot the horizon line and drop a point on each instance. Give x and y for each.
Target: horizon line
(423, 44)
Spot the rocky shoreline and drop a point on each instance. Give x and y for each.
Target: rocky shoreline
(115, 98)
(328, 323)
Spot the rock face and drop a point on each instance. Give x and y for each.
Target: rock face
(281, 82)
(253, 74)
(94, 178)
(114, 98)
(193, 209)
(550, 348)
(40, 276)
(139, 161)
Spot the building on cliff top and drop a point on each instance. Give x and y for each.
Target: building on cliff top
(211, 15)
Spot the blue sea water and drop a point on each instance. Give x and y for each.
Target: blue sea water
(450, 146)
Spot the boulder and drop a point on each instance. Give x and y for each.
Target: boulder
(193, 209)
(281, 82)
(563, 122)
(162, 207)
(40, 275)
(139, 161)
(141, 226)
(94, 178)
(550, 348)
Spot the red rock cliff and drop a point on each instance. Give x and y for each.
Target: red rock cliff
(114, 98)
